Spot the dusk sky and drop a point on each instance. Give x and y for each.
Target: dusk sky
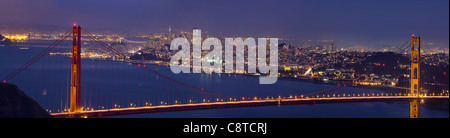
(361, 21)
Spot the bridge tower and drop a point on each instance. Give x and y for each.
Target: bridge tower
(75, 90)
(415, 78)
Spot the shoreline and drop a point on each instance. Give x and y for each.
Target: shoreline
(438, 105)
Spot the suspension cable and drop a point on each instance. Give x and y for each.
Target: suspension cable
(37, 57)
(152, 71)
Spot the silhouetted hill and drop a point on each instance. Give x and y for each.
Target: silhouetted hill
(14, 103)
(4, 41)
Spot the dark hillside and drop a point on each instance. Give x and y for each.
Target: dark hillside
(14, 103)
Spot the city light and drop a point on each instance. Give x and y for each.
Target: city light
(120, 71)
(17, 37)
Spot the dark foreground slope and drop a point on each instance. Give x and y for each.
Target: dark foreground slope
(14, 103)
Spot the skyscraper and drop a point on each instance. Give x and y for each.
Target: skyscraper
(170, 33)
(151, 41)
(350, 48)
(332, 48)
(359, 48)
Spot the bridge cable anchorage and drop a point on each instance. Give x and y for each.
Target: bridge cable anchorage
(37, 57)
(152, 71)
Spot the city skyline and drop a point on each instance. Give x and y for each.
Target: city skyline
(371, 24)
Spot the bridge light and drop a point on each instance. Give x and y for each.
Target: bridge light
(74, 24)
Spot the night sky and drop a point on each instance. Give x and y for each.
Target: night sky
(361, 21)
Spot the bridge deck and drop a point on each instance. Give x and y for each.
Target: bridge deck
(237, 104)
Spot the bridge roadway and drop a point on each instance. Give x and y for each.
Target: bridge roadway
(238, 104)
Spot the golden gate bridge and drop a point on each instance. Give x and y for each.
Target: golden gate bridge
(217, 100)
